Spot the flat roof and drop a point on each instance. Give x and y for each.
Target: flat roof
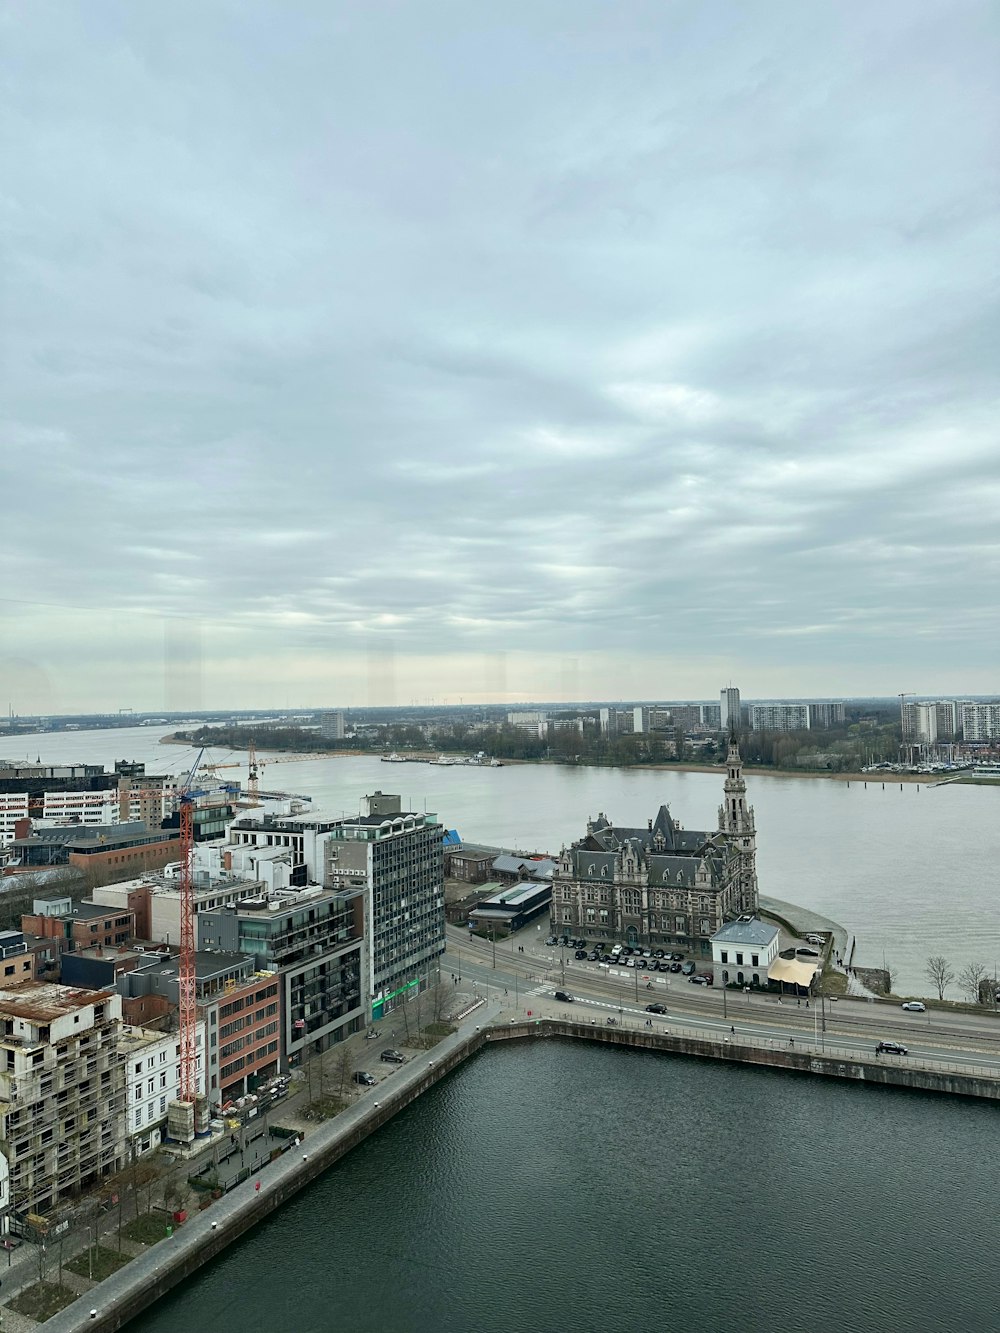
(43, 1001)
(516, 895)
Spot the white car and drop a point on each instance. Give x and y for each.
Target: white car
(914, 1007)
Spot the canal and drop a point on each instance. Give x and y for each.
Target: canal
(570, 1188)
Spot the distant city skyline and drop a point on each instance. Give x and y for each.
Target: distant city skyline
(372, 354)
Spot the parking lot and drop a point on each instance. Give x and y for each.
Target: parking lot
(655, 965)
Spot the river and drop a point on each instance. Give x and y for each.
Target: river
(911, 870)
(556, 1188)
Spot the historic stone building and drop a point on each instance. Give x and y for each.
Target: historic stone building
(662, 885)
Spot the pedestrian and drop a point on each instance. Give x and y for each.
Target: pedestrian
(732, 1030)
(807, 1004)
(505, 990)
(798, 1002)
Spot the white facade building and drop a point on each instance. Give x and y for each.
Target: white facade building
(13, 806)
(980, 722)
(152, 1068)
(743, 950)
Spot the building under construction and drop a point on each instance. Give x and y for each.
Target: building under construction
(62, 1091)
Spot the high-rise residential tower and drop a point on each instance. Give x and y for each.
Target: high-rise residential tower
(729, 709)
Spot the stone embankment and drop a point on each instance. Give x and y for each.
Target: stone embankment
(149, 1276)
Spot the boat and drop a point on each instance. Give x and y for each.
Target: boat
(393, 758)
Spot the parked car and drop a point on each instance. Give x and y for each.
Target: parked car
(914, 1007)
(372, 1034)
(687, 968)
(580, 954)
(361, 1076)
(551, 942)
(656, 1008)
(890, 1048)
(807, 953)
(675, 967)
(565, 996)
(699, 981)
(393, 1057)
(593, 956)
(706, 978)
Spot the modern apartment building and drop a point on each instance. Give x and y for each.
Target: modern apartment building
(397, 858)
(779, 717)
(156, 900)
(313, 939)
(62, 1091)
(241, 1010)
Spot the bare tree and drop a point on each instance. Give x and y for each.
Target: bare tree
(970, 978)
(940, 973)
(344, 1061)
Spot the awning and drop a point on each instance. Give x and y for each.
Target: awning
(793, 970)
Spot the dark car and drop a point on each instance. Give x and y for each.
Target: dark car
(551, 942)
(581, 954)
(565, 996)
(677, 957)
(890, 1048)
(606, 958)
(658, 953)
(656, 1008)
(699, 981)
(687, 968)
(369, 1080)
(393, 1057)
(675, 967)
(593, 956)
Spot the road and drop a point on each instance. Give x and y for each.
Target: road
(526, 981)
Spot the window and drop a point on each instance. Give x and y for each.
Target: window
(755, 959)
(725, 955)
(739, 958)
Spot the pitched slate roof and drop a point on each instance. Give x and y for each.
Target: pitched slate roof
(749, 932)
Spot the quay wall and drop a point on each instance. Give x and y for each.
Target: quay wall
(203, 1237)
(879, 1072)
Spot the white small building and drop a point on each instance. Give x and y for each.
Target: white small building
(152, 1067)
(743, 950)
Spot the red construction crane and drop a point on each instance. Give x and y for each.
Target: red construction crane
(185, 796)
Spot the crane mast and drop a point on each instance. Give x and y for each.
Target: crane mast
(186, 987)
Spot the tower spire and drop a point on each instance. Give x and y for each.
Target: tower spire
(736, 821)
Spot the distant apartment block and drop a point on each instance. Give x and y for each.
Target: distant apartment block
(332, 726)
(827, 714)
(779, 717)
(62, 1091)
(729, 708)
(980, 722)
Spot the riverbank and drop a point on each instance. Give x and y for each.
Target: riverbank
(750, 770)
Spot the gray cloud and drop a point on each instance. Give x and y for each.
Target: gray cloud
(662, 332)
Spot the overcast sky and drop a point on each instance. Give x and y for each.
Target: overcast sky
(359, 352)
